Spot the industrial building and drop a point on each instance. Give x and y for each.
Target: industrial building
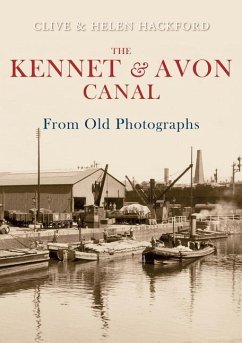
(59, 191)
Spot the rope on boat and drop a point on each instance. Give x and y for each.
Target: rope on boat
(26, 246)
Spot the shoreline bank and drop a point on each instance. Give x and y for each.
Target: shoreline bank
(24, 237)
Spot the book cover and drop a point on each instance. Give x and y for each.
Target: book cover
(133, 85)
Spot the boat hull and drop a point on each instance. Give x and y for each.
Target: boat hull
(173, 255)
(23, 268)
(63, 251)
(200, 236)
(96, 252)
(85, 256)
(12, 261)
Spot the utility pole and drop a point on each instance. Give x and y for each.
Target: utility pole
(35, 208)
(38, 189)
(191, 194)
(236, 169)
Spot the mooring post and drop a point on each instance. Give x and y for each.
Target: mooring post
(65, 255)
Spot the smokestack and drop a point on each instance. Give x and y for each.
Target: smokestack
(166, 176)
(199, 176)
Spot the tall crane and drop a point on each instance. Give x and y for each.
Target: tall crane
(97, 188)
(94, 213)
(161, 195)
(143, 198)
(141, 195)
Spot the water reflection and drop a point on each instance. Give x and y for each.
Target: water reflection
(97, 279)
(27, 281)
(100, 302)
(227, 258)
(37, 313)
(156, 271)
(232, 245)
(105, 297)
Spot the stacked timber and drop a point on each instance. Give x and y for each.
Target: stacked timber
(118, 246)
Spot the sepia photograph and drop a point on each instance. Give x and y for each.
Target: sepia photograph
(121, 172)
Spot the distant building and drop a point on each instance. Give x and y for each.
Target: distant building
(59, 191)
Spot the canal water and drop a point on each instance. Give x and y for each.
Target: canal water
(126, 301)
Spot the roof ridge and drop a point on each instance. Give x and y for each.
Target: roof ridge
(48, 171)
(64, 177)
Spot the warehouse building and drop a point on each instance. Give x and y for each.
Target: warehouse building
(59, 191)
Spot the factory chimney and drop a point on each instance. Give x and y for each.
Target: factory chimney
(166, 176)
(199, 176)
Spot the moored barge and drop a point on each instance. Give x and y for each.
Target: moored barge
(97, 251)
(176, 255)
(17, 260)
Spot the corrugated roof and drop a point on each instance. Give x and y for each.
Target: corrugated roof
(46, 178)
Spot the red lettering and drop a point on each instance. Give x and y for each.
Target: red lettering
(151, 96)
(93, 67)
(138, 92)
(16, 68)
(53, 65)
(181, 71)
(111, 70)
(105, 91)
(85, 92)
(35, 67)
(163, 67)
(219, 63)
(71, 63)
(209, 68)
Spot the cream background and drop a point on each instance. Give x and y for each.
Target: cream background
(216, 103)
